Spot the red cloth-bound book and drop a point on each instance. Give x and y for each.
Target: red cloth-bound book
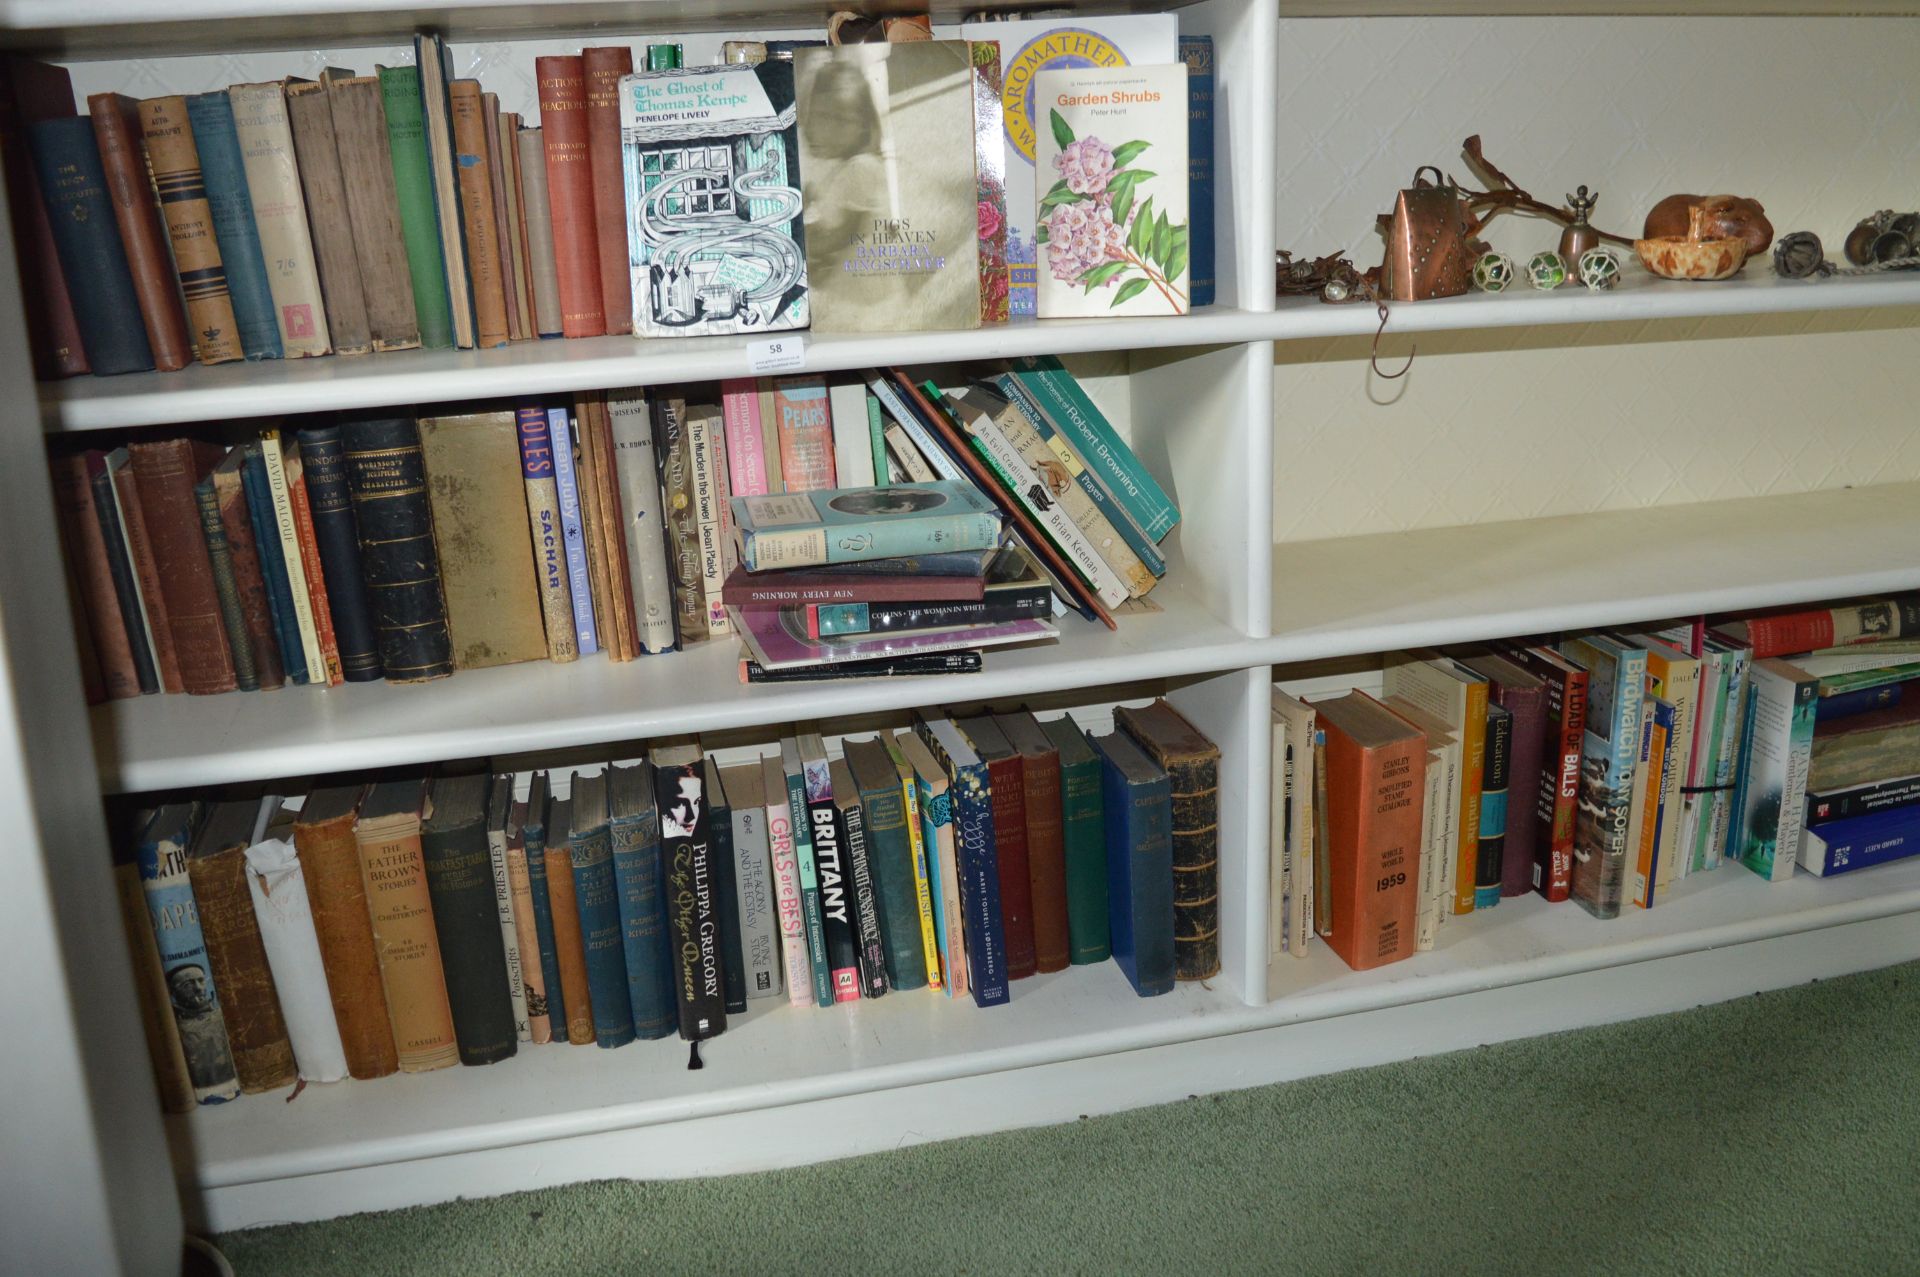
(576, 250)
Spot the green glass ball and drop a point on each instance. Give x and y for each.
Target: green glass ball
(1493, 272)
(1547, 270)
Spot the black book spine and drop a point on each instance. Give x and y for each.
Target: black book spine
(535, 835)
(467, 919)
(692, 912)
(125, 587)
(871, 949)
(86, 237)
(1493, 809)
(387, 475)
(920, 663)
(733, 963)
(246, 675)
(1004, 605)
(331, 499)
(836, 893)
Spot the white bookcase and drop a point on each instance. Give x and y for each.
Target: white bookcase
(1198, 397)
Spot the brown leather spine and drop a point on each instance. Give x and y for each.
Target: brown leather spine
(366, 171)
(497, 178)
(603, 67)
(330, 863)
(1046, 861)
(87, 554)
(613, 526)
(476, 210)
(150, 981)
(31, 91)
(569, 945)
(1007, 776)
(517, 223)
(167, 472)
(133, 518)
(310, 116)
(407, 944)
(116, 129)
(174, 161)
(247, 575)
(262, 1053)
(576, 249)
(310, 563)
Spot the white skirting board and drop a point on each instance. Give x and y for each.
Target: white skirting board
(823, 1130)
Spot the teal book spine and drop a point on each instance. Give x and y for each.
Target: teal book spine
(809, 889)
(1074, 415)
(1495, 779)
(536, 842)
(273, 563)
(86, 239)
(1138, 800)
(877, 441)
(194, 1002)
(1083, 831)
(419, 220)
(597, 900)
(890, 853)
(643, 917)
(853, 525)
(224, 169)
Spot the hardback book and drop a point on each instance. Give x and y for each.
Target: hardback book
(166, 472)
(337, 542)
(538, 469)
(931, 786)
(733, 976)
(1192, 762)
(1523, 694)
(88, 550)
(484, 259)
(1785, 633)
(800, 821)
(637, 472)
(330, 865)
(236, 519)
(826, 838)
(143, 233)
(125, 486)
(502, 828)
(400, 904)
(853, 524)
(475, 472)
(92, 258)
(936, 453)
(435, 63)
(569, 162)
(284, 912)
(569, 940)
(307, 546)
(192, 993)
(498, 177)
(890, 854)
(323, 190)
(1006, 771)
(1022, 594)
(1458, 697)
(787, 897)
(373, 210)
(533, 831)
(1136, 796)
(679, 789)
(543, 272)
(1074, 415)
(976, 871)
(1736, 662)
(600, 520)
(1616, 679)
(210, 115)
(386, 474)
(1028, 47)
(1555, 800)
(1777, 748)
(129, 584)
(924, 883)
(850, 822)
(1494, 783)
(264, 512)
(712, 198)
(777, 640)
(635, 826)
(1860, 842)
(852, 443)
(1866, 799)
(414, 176)
(1197, 52)
(513, 179)
(533, 976)
(821, 589)
(892, 211)
(220, 559)
(673, 455)
(596, 896)
(707, 452)
(1376, 765)
(1083, 840)
(1041, 784)
(280, 216)
(602, 68)
(237, 960)
(990, 179)
(1441, 836)
(1112, 231)
(799, 411)
(1299, 798)
(753, 881)
(156, 1015)
(466, 917)
(749, 470)
(32, 90)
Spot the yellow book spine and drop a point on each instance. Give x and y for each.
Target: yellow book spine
(1473, 752)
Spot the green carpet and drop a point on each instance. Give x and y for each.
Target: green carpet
(1775, 1134)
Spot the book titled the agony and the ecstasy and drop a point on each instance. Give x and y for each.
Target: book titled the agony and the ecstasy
(714, 238)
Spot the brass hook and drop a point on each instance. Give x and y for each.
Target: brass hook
(1374, 358)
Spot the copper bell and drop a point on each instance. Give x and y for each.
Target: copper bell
(1430, 250)
(1579, 236)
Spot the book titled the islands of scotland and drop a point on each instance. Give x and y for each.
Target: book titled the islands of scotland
(711, 165)
(693, 916)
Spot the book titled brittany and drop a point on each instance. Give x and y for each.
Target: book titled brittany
(848, 525)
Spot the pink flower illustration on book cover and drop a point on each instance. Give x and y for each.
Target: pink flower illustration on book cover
(1099, 225)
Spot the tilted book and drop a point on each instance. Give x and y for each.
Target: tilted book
(156, 1015)
(1074, 415)
(162, 856)
(1615, 695)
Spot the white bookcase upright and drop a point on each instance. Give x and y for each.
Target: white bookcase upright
(108, 1182)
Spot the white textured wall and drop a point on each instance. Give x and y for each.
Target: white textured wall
(1818, 118)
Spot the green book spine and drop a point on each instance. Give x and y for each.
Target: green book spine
(413, 183)
(884, 813)
(877, 440)
(1084, 839)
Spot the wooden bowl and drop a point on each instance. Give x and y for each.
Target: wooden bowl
(1676, 257)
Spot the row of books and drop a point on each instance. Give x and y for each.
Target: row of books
(1602, 768)
(625, 522)
(410, 922)
(803, 183)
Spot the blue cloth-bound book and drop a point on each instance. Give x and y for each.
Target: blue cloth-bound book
(273, 563)
(225, 173)
(86, 238)
(193, 1001)
(582, 821)
(635, 826)
(1137, 803)
(1860, 842)
(976, 859)
(534, 833)
(1197, 52)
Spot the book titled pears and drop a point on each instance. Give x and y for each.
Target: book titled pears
(1111, 183)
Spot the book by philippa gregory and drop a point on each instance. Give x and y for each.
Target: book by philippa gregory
(1111, 182)
(714, 239)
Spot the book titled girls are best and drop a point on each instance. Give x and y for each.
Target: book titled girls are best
(1110, 186)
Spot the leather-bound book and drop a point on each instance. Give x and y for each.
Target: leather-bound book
(330, 500)
(311, 566)
(174, 162)
(280, 216)
(593, 524)
(86, 547)
(497, 180)
(533, 978)
(890, 852)
(161, 852)
(125, 486)
(229, 486)
(1084, 840)
(166, 473)
(310, 116)
(1007, 779)
(1046, 844)
(466, 917)
(330, 863)
(542, 270)
(569, 945)
(373, 207)
(603, 67)
(634, 826)
(533, 834)
(576, 251)
(596, 897)
(217, 866)
(1193, 763)
(224, 170)
(94, 261)
(398, 561)
(475, 483)
(225, 587)
(1136, 797)
(413, 188)
(143, 234)
(150, 980)
(476, 210)
(400, 905)
(1376, 772)
(126, 584)
(29, 91)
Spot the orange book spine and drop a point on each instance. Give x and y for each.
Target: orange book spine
(476, 207)
(613, 530)
(310, 560)
(568, 944)
(576, 249)
(1473, 767)
(407, 944)
(1373, 846)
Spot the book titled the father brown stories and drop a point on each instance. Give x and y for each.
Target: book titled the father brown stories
(893, 234)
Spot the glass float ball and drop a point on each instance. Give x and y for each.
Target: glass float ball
(1599, 269)
(1547, 270)
(1493, 272)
